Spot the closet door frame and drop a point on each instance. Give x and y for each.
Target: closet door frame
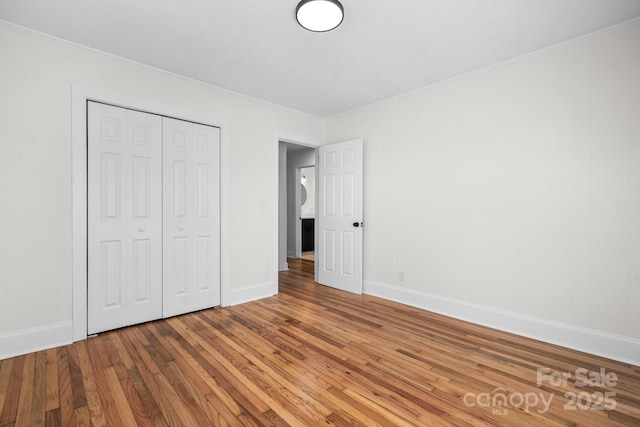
(80, 96)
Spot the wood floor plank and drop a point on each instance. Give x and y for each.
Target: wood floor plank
(179, 382)
(123, 406)
(231, 403)
(174, 406)
(53, 387)
(65, 393)
(102, 367)
(308, 382)
(52, 418)
(203, 378)
(39, 399)
(309, 356)
(223, 415)
(5, 375)
(143, 377)
(115, 356)
(134, 401)
(136, 345)
(76, 376)
(249, 377)
(89, 380)
(201, 384)
(124, 356)
(255, 349)
(82, 416)
(137, 379)
(25, 399)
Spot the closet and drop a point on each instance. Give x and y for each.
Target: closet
(153, 217)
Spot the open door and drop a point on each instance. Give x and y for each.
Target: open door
(340, 216)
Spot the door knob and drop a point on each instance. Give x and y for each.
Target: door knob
(357, 224)
(141, 229)
(181, 228)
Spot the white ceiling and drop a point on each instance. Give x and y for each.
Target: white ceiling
(256, 47)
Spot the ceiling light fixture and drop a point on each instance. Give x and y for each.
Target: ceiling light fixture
(319, 15)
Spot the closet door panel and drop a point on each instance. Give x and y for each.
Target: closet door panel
(191, 229)
(124, 217)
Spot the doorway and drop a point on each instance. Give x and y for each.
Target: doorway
(297, 202)
(338, 234)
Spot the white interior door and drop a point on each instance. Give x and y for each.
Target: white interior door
(191, 259)
(339, 213)
(124, 217)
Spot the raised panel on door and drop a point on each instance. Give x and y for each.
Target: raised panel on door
(124, 240)
(111, 277)
(191, 230)
(340, 187)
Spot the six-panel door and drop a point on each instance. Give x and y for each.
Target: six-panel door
(124, 217)
(340, 189)
(191, 217)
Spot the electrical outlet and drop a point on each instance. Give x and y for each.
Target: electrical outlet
(401, 276)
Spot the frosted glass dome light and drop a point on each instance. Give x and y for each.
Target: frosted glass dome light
(319, 15)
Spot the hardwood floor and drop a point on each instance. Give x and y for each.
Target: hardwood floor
(310, 255)
(310, 356)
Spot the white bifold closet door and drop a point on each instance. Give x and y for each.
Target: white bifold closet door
(153, 217)
(124, 158)
(191, 217)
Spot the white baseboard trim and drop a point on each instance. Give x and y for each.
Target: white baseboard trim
(252, 293)
(35, 339)
(291, 254)
(616, 347)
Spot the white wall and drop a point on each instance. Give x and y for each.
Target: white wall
(513, 194)
(36, 76)
(295, 159)
(308, 208)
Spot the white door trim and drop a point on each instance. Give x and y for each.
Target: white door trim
(79, 97)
